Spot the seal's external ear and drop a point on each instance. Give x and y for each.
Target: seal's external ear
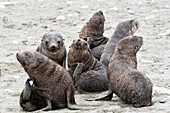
(70, 45)
(85, 39)
(45, 35)
(43, 38)
(131, 21)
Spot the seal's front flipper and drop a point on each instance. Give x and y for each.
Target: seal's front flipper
(71, 104)
(27, 90)
(78, 71)
(106, 98)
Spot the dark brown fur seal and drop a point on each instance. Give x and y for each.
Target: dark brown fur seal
(53, 47)
(123, 29)
(124, 79)
(54, 83)
(94, 29)
(89, 74)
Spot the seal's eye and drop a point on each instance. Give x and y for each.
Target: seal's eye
(136, 24)
(130, 28)
(27, 55)
(85, 44)
(59, 42)
(46, 42)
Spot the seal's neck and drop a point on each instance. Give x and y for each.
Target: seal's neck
(129, 58)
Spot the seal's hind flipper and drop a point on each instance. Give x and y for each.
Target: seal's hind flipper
(106, 98)
(27, 90)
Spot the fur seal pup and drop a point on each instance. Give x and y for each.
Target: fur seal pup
(89, 74)
(123, 29)
(94, 29)
(124, 79)
(53, 82)
(53, 47)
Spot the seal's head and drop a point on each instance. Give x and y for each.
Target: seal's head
(98, 20)
(52, 42)
(30, 59)
(80, 45)
(129, 45)
(94, 27)
(127, 28)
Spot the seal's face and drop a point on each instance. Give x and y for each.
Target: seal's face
(80, 44)
(127, 28)
(52, 42)
(28, 59)
(130, 44)
(98, 20)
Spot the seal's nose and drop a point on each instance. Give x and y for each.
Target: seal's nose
(53, 46)
(78, 40)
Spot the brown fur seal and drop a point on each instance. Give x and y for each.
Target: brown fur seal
(54, 83)
(123, 29)
(53, 47)
(124, 79)
(94, 29)
(89, 74)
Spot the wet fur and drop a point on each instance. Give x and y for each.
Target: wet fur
(125, 80)
(58, 54)
(94, 75)
(50, 76)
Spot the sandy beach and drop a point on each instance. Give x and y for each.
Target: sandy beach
(24, 22)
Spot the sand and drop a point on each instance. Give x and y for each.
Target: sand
(24, 22)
